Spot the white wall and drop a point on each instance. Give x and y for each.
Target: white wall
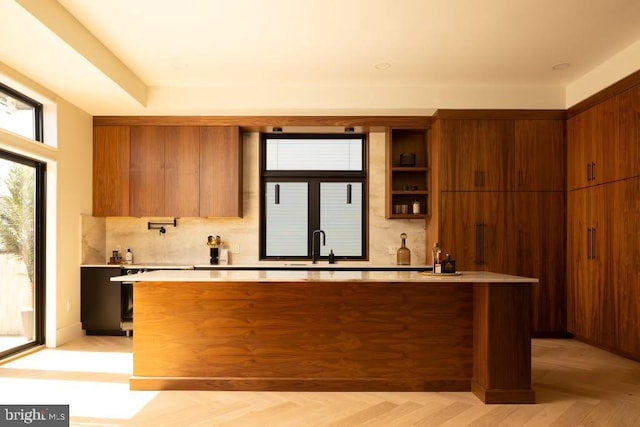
(68, 156)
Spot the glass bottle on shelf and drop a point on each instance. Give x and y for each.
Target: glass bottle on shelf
(403, 254)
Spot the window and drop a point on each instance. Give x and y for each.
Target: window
(22, 183)
(20, 114)
(308, 183)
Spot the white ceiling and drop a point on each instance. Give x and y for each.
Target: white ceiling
(302, 48)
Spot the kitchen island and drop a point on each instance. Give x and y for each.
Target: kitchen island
(333, 331)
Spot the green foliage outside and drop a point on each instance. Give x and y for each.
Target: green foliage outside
(17, 216)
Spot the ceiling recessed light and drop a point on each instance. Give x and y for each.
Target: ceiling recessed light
(562, 66)
(383, 66)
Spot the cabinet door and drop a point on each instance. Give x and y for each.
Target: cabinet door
(182, 171)
(111, 171)
(604, 139)
(579, 281)
(592, 138)
(578, 151)
(627, 151)
(100, 300)
(591, 292)
(541, 253)
(475, 230)
(220, 171)
(147, 171)
(625, 267)
(539, 155)
(476, 154)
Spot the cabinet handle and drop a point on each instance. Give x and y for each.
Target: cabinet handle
(588, 243)
(482, 178)
(593, 243)
(588, 172)
(593, 177)
(519, 178)
(476, 179)
(478, 241)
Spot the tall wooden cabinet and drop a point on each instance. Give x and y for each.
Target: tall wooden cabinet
(603, 217)
(502, 202)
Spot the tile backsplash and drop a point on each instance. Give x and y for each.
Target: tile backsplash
(186, 243)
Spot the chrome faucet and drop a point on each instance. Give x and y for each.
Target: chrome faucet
(313, 244)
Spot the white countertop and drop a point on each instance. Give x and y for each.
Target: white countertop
(285, 265)
(317, 276)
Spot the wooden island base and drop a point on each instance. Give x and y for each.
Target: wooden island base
(334, 336)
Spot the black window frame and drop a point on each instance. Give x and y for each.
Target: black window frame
(40, 207)
(313, 178)
(37, 106)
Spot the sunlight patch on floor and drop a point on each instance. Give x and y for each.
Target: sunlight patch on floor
(76, 361)
(85, 398)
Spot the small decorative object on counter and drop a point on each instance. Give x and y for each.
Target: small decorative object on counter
(416, 207)
(129, 257)
(115, 258)
(436, 258)
(448, 264)
(214, 244)
(223, 257)
(403, 256)
(332, 257)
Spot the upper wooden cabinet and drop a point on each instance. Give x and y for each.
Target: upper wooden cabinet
(111, 170)
(594, 148)
(180, 171)
(502, 155)
(592, 138)
(221, 171)
(627, 150)
(539, 156)
(407, 172)
(165, 167)
(475, 154)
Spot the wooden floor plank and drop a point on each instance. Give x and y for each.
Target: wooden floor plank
(575, 385)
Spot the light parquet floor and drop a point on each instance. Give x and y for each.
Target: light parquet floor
(575, 384)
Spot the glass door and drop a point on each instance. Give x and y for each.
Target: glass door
(21, 240)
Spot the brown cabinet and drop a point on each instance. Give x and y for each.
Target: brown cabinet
(590, 289)
(625, 264)
(518, 233)
(604, 254)
(592, 138)
(627, 149)
(475, 229)
(179, 171)
(221, 172)
(407, 173)
(503, 155)
(111, 170)
(476, 154)
(165, 167)
(540, 252)
(539, 156)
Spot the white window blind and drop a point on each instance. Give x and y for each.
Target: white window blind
(341, 220)
(314, 154)
(287, 219)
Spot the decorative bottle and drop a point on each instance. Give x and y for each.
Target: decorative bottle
(404, 254)
(437, 267)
